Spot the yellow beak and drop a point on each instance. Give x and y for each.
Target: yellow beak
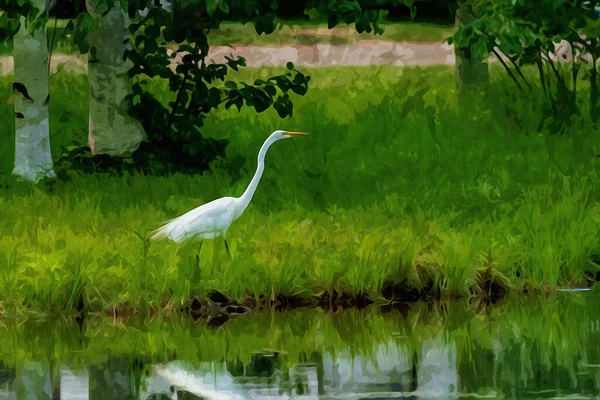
(296, 133)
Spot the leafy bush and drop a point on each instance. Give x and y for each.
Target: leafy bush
(520, 34)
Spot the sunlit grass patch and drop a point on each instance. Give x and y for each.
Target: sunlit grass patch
(312, 33)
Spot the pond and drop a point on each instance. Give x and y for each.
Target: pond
(521, 348)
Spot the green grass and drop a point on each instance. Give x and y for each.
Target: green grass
(374, 193)
(310, 33)
(313, 33)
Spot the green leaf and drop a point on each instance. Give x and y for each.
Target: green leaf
(211, 6)
(224, 6)
(594, 265)
(271, 91)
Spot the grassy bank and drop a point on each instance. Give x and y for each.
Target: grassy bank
(290, 33)
(391, 185)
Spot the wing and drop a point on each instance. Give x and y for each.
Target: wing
(210, 217)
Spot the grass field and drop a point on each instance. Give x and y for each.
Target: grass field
(312, 33)
(296, 33)
(391, 184)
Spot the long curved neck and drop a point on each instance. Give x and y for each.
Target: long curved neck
(249, 192)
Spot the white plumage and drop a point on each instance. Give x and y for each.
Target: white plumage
(213, 219)
(205, 222)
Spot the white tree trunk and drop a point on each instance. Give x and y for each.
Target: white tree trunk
(33, 159)
(111, 130)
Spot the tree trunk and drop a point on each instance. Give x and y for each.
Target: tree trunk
(111, 130)
(471, 72)
(33, 160)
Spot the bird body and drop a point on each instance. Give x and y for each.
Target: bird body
(213, 219)
(208, 221)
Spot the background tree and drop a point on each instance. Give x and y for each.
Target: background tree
(520, 35)
(33, 159)
(112, 130)
(471, 70)
(198, 84)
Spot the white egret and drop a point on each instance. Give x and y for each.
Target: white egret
(212, 219)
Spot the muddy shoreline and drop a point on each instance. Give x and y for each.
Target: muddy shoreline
(216, 308)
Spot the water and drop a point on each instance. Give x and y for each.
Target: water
(519, 349)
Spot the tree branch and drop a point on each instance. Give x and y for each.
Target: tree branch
(507, 68)
(520, 72)
(558, 76)
(181, 88)
(542, 76)
(575, 69)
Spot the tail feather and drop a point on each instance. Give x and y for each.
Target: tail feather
(164, 230)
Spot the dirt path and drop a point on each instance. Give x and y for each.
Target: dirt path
(364, 52)
(361, 53)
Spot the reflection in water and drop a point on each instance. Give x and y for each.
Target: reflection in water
(515, 350)
(74, 386)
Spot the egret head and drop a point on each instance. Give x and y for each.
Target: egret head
(279, 134)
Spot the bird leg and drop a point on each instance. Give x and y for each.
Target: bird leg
(198, 255)
(227, 248)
